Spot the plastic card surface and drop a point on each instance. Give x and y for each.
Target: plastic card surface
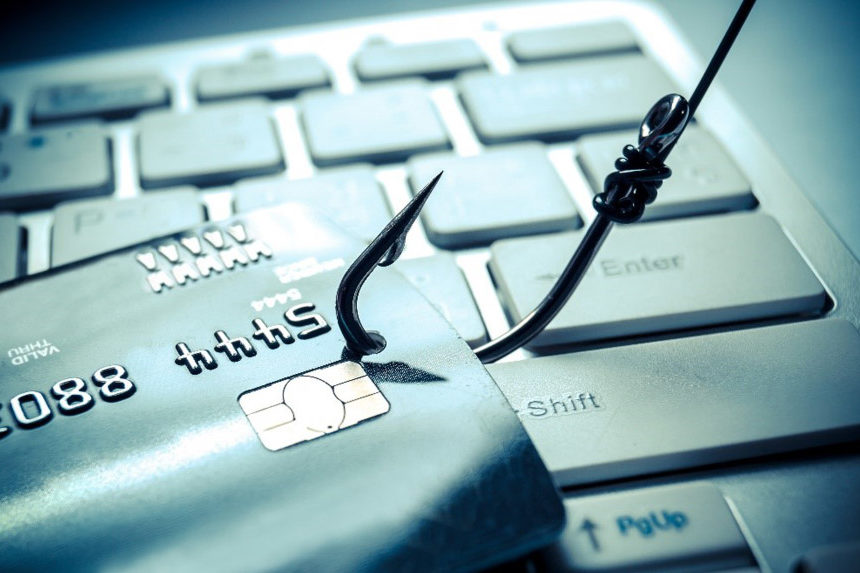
(186, 405)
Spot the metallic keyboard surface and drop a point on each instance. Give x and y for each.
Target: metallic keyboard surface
(523, 105)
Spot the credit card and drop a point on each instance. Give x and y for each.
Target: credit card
(187, 404)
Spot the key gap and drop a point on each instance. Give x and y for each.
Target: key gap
(181, 86)
(453, 116)
(473, 263)
(124, 141)
(38, 229)
(218, 203)
(339, 62)
(707, 471)
(492, 42)
(665, 335)
(296, 154)
(563, 159)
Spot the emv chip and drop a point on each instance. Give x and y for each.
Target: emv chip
(312, 404)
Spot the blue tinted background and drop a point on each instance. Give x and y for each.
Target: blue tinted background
(794, 70)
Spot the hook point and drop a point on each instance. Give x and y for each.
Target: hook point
(382, 251)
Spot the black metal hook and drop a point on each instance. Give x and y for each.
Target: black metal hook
(640, 173)
(382, 251)
(626, 192)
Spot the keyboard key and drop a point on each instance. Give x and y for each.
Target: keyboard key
(432, 60)
(704, 178)
(675, 404)
(571, 41)
(10, 246)
(440, 280)
(214, 145)
(106, 99)
(350, 196)
(563, 99)
(91, 227)
(662, 276)
(376, 124)
(676, 527)
(267, 76)
(501, 193)
(41, 168)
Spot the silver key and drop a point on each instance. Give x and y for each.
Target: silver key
(350, 196)
(122, 97)
(660, 406)
(704, 178)
(440, 280)
(662, 276)
(432, 60)
(269, 76)
(10, 246)
(563, 99)
(675, 527)
(87, 228)
(501, 193)
(571, 41)
(376, 124)
(41, 168)
(213, 145)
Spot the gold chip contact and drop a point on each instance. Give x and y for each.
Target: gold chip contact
(313, 404)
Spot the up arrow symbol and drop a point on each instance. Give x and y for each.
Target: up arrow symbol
(589, 526)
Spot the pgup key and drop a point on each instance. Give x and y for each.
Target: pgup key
(648, 525)
(677, 527)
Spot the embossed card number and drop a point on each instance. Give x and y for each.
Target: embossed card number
(300, 315)
(31, 409)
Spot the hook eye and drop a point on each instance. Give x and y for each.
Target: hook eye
(662, 126)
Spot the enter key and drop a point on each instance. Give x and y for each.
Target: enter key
(677, 527)
(660, 277)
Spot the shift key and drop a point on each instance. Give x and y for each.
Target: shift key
(662, 276)
(676, 404)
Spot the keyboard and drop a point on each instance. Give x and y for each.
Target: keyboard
(695, 402)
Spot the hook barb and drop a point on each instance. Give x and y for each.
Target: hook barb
(382, 251)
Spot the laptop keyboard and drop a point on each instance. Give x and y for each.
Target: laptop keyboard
(525, 115)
